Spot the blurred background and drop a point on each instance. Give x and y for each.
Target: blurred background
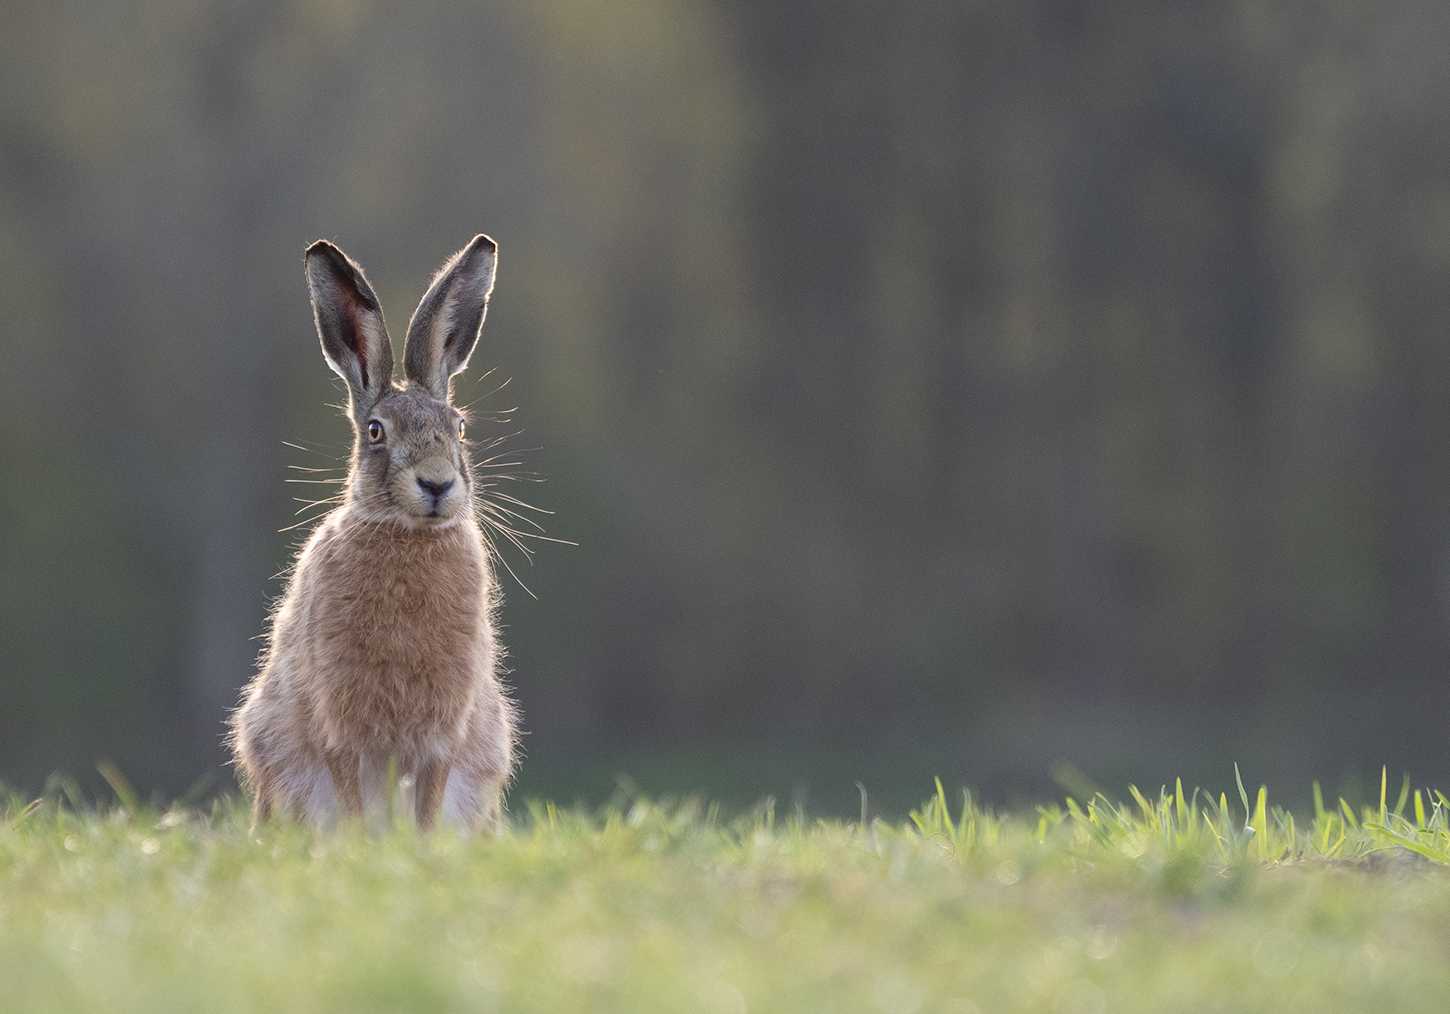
(1016, 392)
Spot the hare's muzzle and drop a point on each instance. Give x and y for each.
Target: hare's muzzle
(435, 490)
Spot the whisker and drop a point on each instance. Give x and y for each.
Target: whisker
(478, 380)
(511, 537)
(308, 504)
(490, 394)
(493, 522)
(304, 521)
(512, 450)
(494, 510)
(493, 442)
(501, 559)
(498, 510)
(311, 450)
(509, 453)
(505, 496)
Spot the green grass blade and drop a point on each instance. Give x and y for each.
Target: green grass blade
(1239, 780)
(1261, 822)
(1384, 777)
(1395, 840)
(119, 785)
(1349, 818)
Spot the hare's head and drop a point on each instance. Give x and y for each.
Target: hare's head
(408, 465)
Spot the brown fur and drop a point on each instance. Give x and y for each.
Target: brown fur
(383, 646)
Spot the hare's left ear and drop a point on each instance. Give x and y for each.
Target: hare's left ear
(445, 327)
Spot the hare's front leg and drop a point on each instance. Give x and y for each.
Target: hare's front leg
(344, 764)
(428, 792)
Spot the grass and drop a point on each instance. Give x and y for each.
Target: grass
(1159, 903)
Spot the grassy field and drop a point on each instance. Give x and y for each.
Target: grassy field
(1160, 904)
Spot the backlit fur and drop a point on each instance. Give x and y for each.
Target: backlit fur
(383, 645)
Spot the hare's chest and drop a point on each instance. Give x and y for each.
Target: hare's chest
(401, 641)
(413, 614)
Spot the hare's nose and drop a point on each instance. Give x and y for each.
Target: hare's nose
(435, 489)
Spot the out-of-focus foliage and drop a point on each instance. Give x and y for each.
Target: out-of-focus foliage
(900, 368)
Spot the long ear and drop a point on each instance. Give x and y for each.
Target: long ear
(445, 327)
(350, 324)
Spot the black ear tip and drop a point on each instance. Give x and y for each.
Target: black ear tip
(323, 257)
(318, 246)
(481, 254)
(324, 250)
(330, 260)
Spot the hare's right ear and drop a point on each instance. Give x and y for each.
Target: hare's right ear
(350, 324)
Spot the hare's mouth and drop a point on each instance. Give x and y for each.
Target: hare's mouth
(422, 519)
(434, 515)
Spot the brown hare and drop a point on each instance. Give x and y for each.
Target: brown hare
(383, 646)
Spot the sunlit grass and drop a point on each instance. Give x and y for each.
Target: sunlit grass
(1171, 901)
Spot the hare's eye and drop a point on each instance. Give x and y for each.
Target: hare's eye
(375, 431)
(460, 429)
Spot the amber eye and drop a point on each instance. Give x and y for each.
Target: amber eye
(460, 429)
(375, 431)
